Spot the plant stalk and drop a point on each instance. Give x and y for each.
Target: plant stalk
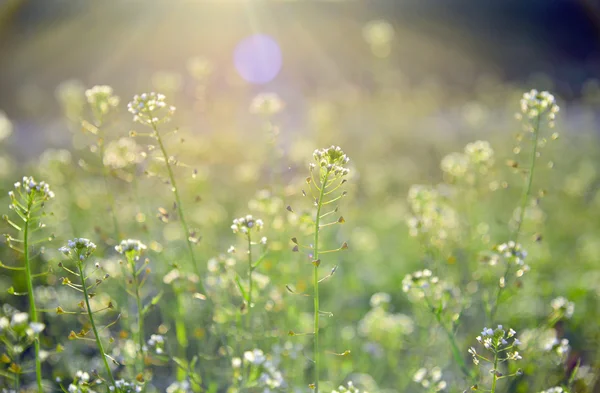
(523, 206)
(140, 316)
(175, 190)
(91, 316)
(250, 270)
(316, 282)
(32, 308)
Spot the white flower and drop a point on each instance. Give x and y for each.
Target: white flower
(130, 245)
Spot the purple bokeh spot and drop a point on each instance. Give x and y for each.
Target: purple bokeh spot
(257, 58)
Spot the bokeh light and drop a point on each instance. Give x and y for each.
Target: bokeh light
(258, 59)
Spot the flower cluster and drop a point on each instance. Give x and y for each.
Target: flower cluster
(431, 215)
(126, 387)
(35, 192)
(419, 281)
(563, 307)
(246, 224)
(150, 109)
(455, 164)
(268, 376)
(478, 156)
(266, 104)
(157, 342)
(332, 159)
(510, 253)
(534, 104)
(130, 245)
(17, 323)
(101, 99)
(430, 379)
(497, 341)
(349, 388)
(554, 389)
(121, 153)
(179, 387)
(80, 248)
(83, 383)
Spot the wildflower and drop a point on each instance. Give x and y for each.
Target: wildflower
(266, 104)
(121, 153)
(534, 104)
(333, 160)
(101, 99)
(19, 319)
(555, 389)
(563, 307)
(81, 248)
(379, 299)
(480, 153)
(246, 224)
(498, 341)
(255, 357)
(150, 109)
(130, 245)
(126, 387)
(37, 192)
(455, 164)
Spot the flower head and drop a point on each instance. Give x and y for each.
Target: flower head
(150, 108)
(102, 99)
(130, 245)
(534, 104)
(33, 190)
(266, 104)
(246, 224)
(332, 159)
(563, 307)
(81, 248)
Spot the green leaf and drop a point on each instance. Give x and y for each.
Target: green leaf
(11, 291)
(259, 260)
(241, 288)
(153, 302)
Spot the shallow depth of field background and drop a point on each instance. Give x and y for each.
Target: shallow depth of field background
(398, 85)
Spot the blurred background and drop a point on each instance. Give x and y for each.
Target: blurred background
(399, 84)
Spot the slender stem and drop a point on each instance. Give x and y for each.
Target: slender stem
(32, 309)
(180, 331)
(523, 207)
(109, 195)
(316, 282)
(175, 190)
(495, 377)
(456, 353)
(91, 316)
(140, 316)
(250, 269)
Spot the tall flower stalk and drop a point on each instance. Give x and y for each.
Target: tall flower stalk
(132, 250)
(79, 251)
(151, 110)
(27, 200)
(246, 226)
(101, 101)
(535, 107)
(326, 178)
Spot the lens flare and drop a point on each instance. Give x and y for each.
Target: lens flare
(258, 59)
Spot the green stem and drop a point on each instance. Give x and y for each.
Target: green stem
(109, 195)
(316, 281)
(523, 206)
(250, 269)
(140, 316)
(32, 309)
(456, 353)
(180, 332)
(175, 190)
(495, 370)
(91, 316)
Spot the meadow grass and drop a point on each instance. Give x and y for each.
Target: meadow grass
(466, 260)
